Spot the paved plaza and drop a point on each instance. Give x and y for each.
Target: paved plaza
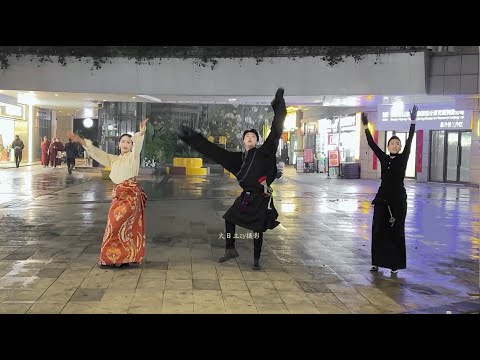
(316, 262)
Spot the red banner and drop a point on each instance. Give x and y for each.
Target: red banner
(419, 151)
(333, 158)
(308, 155)
(374, 158)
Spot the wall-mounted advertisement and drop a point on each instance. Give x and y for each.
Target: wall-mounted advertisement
(435, 117)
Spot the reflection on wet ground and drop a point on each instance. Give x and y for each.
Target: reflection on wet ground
(316, 261)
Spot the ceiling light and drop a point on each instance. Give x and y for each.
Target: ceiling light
(56, 94)
(232, 99)
(88, 123)
(153, 98)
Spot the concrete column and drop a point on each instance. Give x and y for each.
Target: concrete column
(475, 157)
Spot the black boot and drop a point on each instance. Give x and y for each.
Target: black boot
(257, 250)
(108, 266)
(229, 254)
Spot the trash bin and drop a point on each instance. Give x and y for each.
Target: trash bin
(351, 170)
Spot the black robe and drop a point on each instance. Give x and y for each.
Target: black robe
(388, 242)
(251, 210)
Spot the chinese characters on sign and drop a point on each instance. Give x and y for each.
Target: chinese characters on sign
(433, 119)
(425, 115)
(240, 236)
(308, 155)
(451, 124)
(333, 158)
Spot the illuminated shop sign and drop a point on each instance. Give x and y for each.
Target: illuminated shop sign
(425, 115)
(431, 119)
(12, 111)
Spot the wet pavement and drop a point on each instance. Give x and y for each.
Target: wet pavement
(316, 261)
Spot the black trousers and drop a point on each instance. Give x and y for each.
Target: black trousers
(18, 158)
(70, 162)
(388, 242)
(230, 239)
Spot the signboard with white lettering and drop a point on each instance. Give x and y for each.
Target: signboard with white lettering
(441, 118)
(328, 125)
(44, 115)
(348, 123)
(333, 139)
(300, 165)
(12, 111)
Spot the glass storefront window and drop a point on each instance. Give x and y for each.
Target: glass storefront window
(7, 135)
(437, 155)
(450, 156)
(340, 133)
(348, 146)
